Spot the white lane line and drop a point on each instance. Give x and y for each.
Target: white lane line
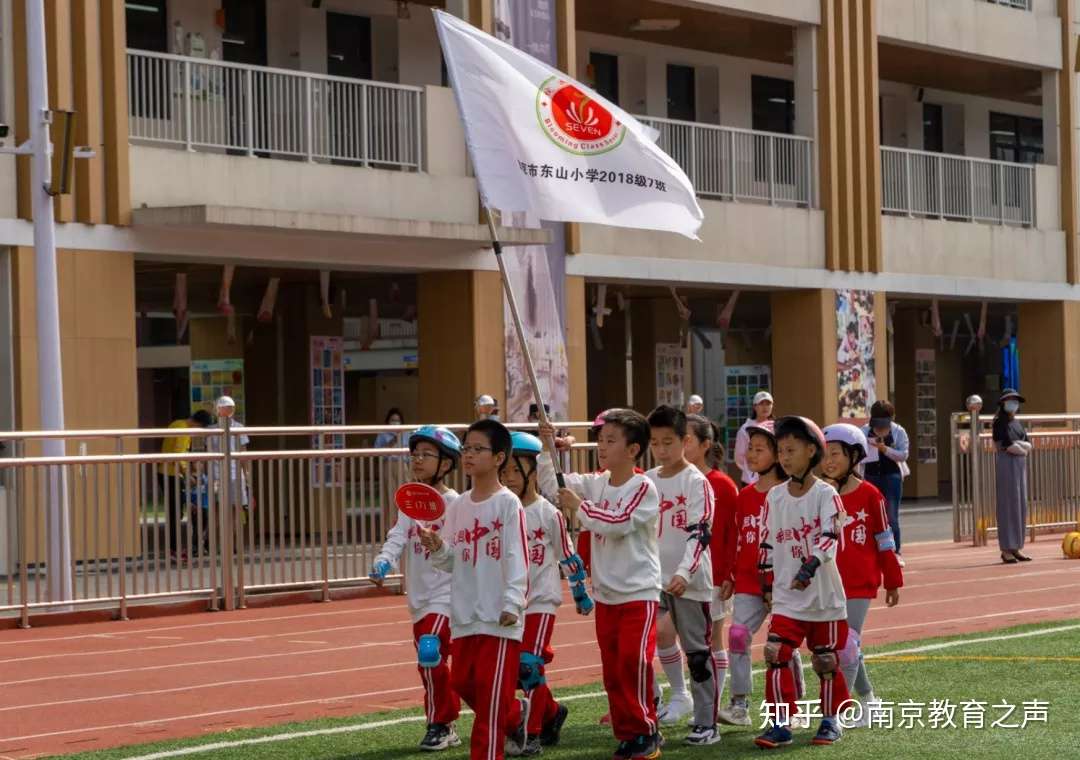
(358, 727)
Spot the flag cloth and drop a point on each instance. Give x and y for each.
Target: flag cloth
(544, 143)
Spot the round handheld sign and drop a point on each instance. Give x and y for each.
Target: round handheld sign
(420, 502)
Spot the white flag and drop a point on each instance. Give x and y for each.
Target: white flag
(544, 143)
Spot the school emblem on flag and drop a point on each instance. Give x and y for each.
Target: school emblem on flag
(574, 121)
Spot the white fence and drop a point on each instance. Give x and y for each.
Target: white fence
(1023, 5)
(919, 183)
(739, 164)
(201, 104)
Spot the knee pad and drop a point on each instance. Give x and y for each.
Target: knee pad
(824, 662)
(530, 671)
(739, 638)
(698, 663)
(849, 655)
(777, 651)
(428, 651)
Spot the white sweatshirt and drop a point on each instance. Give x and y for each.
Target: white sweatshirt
(484, 550)
(428, 586)
(686, 508)
(622, 525)
(545, 531)
(791, 530)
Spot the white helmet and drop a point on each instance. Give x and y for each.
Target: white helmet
(851, 438)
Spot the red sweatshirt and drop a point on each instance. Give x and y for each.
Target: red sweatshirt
(862, 564)
(748, 509)
(724, 527)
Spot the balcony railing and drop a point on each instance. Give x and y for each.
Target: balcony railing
(201, 104)
(918, 183)
(1023, 5)
(740, 164)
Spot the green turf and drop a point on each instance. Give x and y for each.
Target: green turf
(1042, 668)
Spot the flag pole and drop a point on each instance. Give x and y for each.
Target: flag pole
(496, 246)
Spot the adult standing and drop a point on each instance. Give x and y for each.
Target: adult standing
(763, 409)
(1013, 448)
(886, 463)
(695, 405)
(388, 440)
(487, 408)
(174, 478)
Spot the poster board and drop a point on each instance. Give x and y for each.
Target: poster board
(855, 360)
(670, 374)
(327, 402)
(210, 379)
(742, 381)
(925, 406)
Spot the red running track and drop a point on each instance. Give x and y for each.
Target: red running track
(97, 685)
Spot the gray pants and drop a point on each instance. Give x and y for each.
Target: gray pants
(693, 624)
(750, 612)
(855, 672)
(1012, 505)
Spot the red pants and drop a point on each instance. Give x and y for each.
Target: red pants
(780, 681)
(542, 705)
(484, 673)
(441, 702)
(626, 634)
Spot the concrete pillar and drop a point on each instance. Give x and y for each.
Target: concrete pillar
(806, 95)
(1050, 119)
(1046, 337)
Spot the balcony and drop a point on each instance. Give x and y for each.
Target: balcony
(207, 105)
(1023, 5)
(725, 163)
(919, 183)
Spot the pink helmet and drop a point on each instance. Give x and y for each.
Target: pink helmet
(804, 428)
(601, 418)
(766, 428)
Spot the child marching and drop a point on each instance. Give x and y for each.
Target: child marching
(799, 537)
(866, 555)
(548, 547)
(485, 550)
(434, 453)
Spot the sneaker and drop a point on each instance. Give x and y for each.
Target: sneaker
(828, 733)
(869, 703)
(674, 711)
(777, 736)
(515, 741)
(646, 747)
(623, 751)
(735, 714)
(900, 560)
(439, 736)
(800, 722)
(701, 736)
(605, 719)
(549, 732)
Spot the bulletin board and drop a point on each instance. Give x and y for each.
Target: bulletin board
(209, 380)
(327, 402)
(743, 382)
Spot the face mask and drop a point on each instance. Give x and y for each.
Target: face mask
(1011, 406)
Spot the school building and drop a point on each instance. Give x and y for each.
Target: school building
(281, 191)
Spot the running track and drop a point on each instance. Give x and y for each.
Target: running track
(97, 685)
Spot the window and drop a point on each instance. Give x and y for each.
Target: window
(681, 96)
(147, 25)
(1016, 138)
(933, 133)
(773, 104)
(605, 75)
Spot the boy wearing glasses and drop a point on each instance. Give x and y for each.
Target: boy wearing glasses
(434, 452)
(485, 551)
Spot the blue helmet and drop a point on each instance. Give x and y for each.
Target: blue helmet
(525, 444)
(444, 440)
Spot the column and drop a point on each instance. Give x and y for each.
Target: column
(1046, 336)
(806, 96)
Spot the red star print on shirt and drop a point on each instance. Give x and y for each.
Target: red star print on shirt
(681, 500)
(538, 534)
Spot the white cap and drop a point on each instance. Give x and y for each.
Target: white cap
(485, 400)
(762, 396)
(695, 399)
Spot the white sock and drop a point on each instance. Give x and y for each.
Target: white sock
(671, 662)
(720, 664)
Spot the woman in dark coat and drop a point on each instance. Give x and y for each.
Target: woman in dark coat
(1013, 447)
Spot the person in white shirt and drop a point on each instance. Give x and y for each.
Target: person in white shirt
(484, 550)
(434, 453)
(763, 409)
(620, 509)
(686, 512)
(549, 547)
(799, 534)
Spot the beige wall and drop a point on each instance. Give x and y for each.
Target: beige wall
(977, 28)
(804, 354)
(801, 11)
(1048, 333)
(961, 249)
(740, 232)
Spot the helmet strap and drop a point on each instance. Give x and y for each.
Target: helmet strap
(527, 473)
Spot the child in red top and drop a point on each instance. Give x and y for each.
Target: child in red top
(704, 451)
(867, 551)
(749, 608)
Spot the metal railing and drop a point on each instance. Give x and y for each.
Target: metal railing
(1053, 474)
(201, 104)
(1023, 5)
(209, 525)
(739, 164)
(920, 183)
